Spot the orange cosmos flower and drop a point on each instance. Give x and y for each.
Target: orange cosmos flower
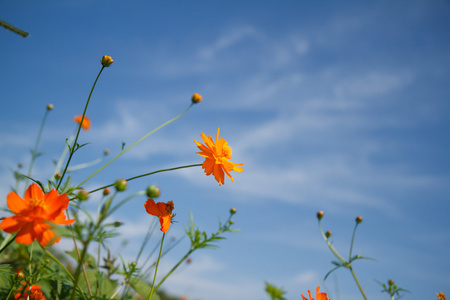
(319, 296)
(86, 122)
(34, 215)
(216, 156)
(161, 210)
(35, 293)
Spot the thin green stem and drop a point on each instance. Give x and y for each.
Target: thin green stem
(357, 282)
(147, 174)
(38, 139)
(330, 246)
(11, 239)
(134, 144)
(351, 245)
(175, 267)
(64, 268)
(72, 150)
(156, 268)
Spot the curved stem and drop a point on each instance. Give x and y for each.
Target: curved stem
(156, 268)
(147, 174)
(72, 150)
(134, 144)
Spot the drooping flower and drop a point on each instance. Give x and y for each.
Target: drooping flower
(161, 210)
(86, 122)
(217, 155)
(35, 214)
(319, 296)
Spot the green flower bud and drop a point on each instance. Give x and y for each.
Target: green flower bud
(153, 191)
(121, 185)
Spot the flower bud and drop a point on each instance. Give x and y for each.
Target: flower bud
(19, 165)
(50, 106)
(391, 282)
(153, 191)
(233, 211)
(319, 215)
(106, 152)
(58, 176)
(189, 260)
(328, 234)
(107, 61)
(196, 98)
(82, 195)
(106, 192)
(121, 185)
(117, 224)
(358, 219)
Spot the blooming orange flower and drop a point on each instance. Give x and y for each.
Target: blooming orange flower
(86, 122)
(217, 155)
(35, 293)
(441, 296)
(319, 296)
(161, 210)
(34, 215)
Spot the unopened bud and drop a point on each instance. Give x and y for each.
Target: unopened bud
(391, 282)
(319, 215)
(121, 185)
(19, 165)
(233, 211)
(189, 260)
(196, 98)
(328, 234)
(117, 224)
(58, 176)
(358, 219)
(153, 191)
(107, 61)
(50, 106)
(106, 192)
(82, 195)
(106, 152)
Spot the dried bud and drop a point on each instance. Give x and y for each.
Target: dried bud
(328, 234)
(196, 98)
(106, 192)
(319, 215)
(107, 61)
(49, 106)
(121, 185)
(153, 191)
(82, 195)
(233, 211)
(358, 219)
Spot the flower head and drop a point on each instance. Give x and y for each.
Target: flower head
(35, 214)
(217, 155)
(161, 210)
(441, 296)
(86, 122)
(196, 98)
(35, 292)
(107, 61)
(319, 296)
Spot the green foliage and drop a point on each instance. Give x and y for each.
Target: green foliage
(392, 289)
(274, 292)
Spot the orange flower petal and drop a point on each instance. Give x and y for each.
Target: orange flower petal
(155, 209)
(15, 203)
(86, 122)
(165, 223)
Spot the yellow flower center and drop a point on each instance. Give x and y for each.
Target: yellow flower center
(35, 202)
(226, 151)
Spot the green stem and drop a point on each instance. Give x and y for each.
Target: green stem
(156, 268)
(175, 267)
(34, 153)
(13, 29)
(147, 174)
(64, 268)
(72, 150)
(134, 144)
(11, 239)
(357, 282)
(351, 245)
(330, 246)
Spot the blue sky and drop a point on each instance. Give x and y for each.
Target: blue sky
(341, 107)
